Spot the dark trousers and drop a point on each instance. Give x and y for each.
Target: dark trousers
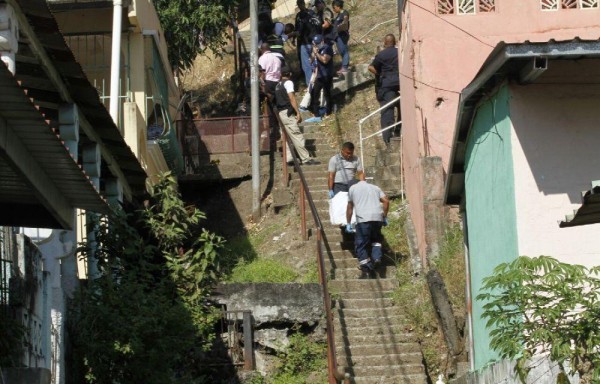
(385, 95)
(324, 83)
(368, 235)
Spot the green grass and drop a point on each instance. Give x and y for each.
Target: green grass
(412, 296)
(262, 271)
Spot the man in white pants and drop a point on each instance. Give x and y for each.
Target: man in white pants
(290, 116)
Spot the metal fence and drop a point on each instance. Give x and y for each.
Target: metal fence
(226, 135)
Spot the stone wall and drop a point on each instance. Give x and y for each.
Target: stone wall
(278, 311)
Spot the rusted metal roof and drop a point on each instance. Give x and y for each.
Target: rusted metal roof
(33, 76)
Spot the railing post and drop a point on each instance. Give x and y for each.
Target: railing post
(232, 135)
(248, 341)
(284, 179)
(303, 212)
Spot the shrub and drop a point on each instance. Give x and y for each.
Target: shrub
(538, 306)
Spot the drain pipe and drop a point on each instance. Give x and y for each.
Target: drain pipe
(115, 64)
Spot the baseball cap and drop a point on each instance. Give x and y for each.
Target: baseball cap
(317, 39)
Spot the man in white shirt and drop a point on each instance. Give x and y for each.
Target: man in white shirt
(290, 116)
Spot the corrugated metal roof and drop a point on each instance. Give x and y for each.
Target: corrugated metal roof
(39, 147)
(33, 77)
(506, 60)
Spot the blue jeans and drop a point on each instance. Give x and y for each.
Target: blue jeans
(342, 46)
(305, 51)
(367, 235)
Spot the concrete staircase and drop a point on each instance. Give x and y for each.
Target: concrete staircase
(387, 170)
(373, 344)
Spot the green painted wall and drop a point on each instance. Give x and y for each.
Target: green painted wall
(490, 204)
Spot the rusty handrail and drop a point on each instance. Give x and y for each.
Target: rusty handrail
(334, 375)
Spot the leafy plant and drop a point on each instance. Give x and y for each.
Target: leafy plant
(538, 306)
(146, 318)
(193, 26)
(302, 358)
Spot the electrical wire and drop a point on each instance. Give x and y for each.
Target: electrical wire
(454, 25)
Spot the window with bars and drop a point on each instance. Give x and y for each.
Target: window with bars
(466, 7)
(555, 5)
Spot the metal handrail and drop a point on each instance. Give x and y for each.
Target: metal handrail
(361, 121)
(333, 373)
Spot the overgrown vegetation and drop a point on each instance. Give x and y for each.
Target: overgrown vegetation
(262, 271)
(145, 317)
(412, 297)
(303, 361)
(541, 306)
(191, 27)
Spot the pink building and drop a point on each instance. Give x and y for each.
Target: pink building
(442, 46)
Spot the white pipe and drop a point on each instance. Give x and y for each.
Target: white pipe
(362, 159)
(380, 108)
(383, 130)
(115, 64)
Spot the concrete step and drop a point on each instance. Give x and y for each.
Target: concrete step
(382, 370)
(388, 172)
(352, 303)
(313, 182)
(382, 272)
(343, 261)
(378, 360)
(351, 313)
(353, 285)
(377, 349)
(319, 146)
(315, 177)
(396, 331)
(391, 379)
(372, 295)
(347, 324)
(357, 76)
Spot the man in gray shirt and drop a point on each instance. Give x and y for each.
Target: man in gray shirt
(371, 206)
(343, 168)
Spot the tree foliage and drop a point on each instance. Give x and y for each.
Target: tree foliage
(146, 318)
(192, 26)
(540, 306)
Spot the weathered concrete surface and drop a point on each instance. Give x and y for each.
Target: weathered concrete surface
(433, 205)
(274, 303)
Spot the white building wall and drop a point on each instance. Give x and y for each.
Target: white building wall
(555, 146)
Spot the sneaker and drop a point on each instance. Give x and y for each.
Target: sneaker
(343, 71)
(366, 274)
(302, 109)
(314, 119)
(377, 263)
(311, 162)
